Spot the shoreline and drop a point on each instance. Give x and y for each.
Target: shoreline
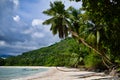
(57, 74)
(23, 67)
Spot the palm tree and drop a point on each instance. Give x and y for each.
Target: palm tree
(74, 17)
(58, 21)
(81, 30)
(64, 22)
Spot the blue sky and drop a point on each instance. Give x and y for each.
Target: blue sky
(21, 26)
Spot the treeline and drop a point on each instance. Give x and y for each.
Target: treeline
(65, 53)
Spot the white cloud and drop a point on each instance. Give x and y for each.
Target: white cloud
(2, 43)
(37, 22)
(16, 3)
(37, 35)
(16, 18)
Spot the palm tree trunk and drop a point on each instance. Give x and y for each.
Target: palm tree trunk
(87, 45)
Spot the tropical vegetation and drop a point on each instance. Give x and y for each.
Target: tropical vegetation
(94, 31)
(97, 29)
(63, 53)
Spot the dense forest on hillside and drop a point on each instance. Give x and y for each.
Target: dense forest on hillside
(64, 53)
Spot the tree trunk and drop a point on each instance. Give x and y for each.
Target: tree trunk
(87, 45)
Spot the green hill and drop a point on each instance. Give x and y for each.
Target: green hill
(63, 53)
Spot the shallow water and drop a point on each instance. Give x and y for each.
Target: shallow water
(13, 73)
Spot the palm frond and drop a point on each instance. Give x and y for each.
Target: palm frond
(49, 21)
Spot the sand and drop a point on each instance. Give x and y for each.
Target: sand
(63, 73)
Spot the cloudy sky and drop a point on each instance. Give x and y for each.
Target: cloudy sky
(21, 26)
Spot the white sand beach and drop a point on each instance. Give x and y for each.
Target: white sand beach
(68, 74)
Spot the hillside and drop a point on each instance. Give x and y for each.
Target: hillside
(63, 53)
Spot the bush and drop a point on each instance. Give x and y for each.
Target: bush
(93, 61)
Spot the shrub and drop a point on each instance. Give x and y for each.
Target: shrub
(93, 61)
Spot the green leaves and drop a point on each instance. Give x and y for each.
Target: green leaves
(59, 23)
(49, 21)
(55, 8)
(93, 61)
(58, 54)
(91, 39)
(98, 25)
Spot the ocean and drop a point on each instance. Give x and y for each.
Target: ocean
(12, 73)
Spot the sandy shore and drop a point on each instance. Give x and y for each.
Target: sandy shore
(54, 73)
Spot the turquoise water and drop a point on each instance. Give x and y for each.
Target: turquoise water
(14, 73)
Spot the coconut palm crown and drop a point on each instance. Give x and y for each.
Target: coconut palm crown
(59, 22)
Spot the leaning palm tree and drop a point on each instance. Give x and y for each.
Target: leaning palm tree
(64, 22)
